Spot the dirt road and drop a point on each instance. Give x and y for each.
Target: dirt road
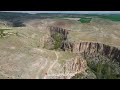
(45, 77)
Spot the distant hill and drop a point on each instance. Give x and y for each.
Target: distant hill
(17, 19)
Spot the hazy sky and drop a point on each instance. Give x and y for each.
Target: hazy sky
(78, 12)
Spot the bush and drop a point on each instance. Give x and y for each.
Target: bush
(54, 41)
(57, 40)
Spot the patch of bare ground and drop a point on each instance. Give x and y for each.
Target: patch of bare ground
(68, 69)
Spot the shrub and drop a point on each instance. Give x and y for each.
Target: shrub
(57, 40)
(85, 20)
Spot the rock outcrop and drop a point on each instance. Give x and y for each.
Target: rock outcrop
(91, 48)
(77, 64)
(62, 31)
(68, 69)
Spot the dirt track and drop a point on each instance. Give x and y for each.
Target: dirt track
(45, 77)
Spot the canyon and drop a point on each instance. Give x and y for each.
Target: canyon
(50, 48)
(92, 48)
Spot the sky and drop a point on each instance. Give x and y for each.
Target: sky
(76, 12)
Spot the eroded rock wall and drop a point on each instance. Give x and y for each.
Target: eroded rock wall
(88, 48)
(94, 49)
(62, 31)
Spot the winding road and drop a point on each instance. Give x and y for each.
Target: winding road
(45, 65)
(45, 77)
(69, 75)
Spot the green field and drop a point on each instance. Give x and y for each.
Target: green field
(111, 17)
(85, 20)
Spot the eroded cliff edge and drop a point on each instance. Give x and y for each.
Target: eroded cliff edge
(93, 49)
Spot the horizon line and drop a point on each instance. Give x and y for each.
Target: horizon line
(67, 12)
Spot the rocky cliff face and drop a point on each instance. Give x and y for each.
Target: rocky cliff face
(77, 64)
(55, 38)
(94, 49)
(87, 48)
(62, 31)
(68, 69)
